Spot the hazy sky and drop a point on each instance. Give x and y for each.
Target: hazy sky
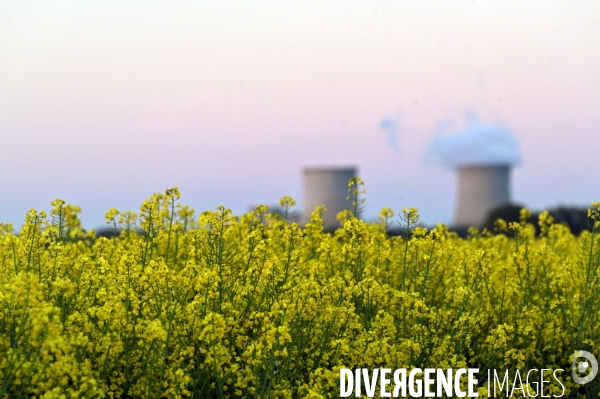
(104, 103)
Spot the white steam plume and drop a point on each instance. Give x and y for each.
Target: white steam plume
(476, 144)
(391, 128)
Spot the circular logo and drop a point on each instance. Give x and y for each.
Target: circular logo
(580, 364)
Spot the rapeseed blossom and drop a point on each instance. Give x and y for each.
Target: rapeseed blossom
(217, 305)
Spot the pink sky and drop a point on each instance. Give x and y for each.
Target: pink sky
(104, 103)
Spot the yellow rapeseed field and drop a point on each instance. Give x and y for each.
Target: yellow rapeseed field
(224, 306)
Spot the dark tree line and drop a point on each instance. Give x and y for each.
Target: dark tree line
(574, 217)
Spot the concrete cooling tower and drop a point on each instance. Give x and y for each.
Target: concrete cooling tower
(329, 187)
(481, 188)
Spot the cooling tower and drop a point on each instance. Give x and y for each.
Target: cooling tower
(481, 188)
(329, 187)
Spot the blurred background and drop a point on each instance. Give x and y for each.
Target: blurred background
(104, 103)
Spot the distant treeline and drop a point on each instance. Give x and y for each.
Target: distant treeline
(574, 217)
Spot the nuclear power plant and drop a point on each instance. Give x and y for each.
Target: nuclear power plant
(481, 188)
(326, 186)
